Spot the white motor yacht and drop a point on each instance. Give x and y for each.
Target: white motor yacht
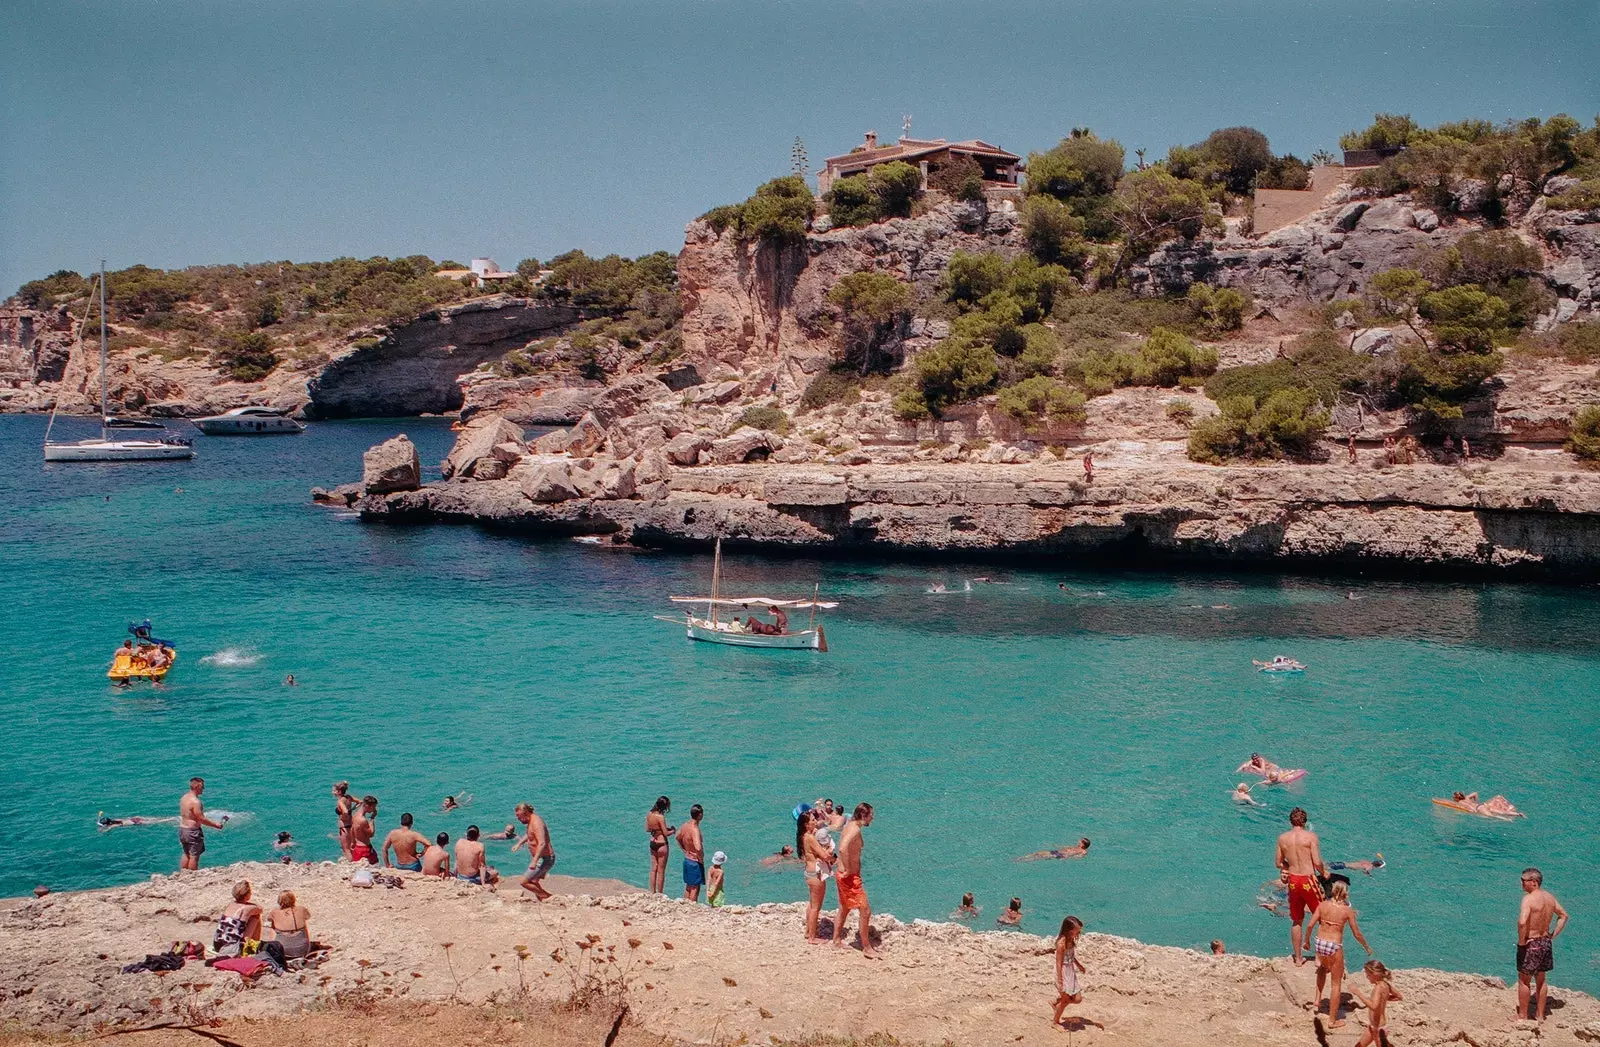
(249, 421)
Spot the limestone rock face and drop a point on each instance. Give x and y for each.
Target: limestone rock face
(413, 368)
(538, 400)
(757, 313)
(686, 448)
(1377, 340)
(744, 445)
(391, 466)
(473, 456)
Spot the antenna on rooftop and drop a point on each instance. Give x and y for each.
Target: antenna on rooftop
(905, 126)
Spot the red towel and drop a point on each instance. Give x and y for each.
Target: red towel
(246, 966)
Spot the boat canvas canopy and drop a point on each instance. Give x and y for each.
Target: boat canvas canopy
(746, 601)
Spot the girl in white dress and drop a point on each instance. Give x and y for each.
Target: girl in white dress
(1067, 965)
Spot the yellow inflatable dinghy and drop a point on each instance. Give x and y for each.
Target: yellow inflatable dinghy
(125, 667)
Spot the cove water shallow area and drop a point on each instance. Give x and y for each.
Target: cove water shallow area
(982, 725)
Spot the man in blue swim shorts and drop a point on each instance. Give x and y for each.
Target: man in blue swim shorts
(407, 844)
(541, 853)
(694, 854)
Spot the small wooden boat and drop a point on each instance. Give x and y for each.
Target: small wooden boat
(733, 632)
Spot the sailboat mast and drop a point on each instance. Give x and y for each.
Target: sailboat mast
(716, 579)
(102, 344)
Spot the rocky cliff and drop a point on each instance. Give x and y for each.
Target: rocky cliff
(756, 313)
(415, 368)
(1541, 521)
(411, 368)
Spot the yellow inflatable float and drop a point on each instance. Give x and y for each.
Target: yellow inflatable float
(134, 665)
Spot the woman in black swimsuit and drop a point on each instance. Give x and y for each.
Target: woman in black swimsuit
(343, 808)
(655, 823)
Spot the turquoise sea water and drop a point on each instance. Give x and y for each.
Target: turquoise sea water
(982, 725)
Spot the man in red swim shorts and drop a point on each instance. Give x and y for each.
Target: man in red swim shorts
(852, 892)
(1300, 860)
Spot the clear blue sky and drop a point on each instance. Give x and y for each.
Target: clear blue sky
(181, 132)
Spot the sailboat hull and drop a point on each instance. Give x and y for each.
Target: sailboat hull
(116, 451)
(809, 639)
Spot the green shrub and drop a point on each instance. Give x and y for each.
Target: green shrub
(1053, 233)
(851, 201)
(764, 417)
(1180, 411)
(874, 306)
(1584, 438)
(1218, 309)
(1317, 361)
(829, 387)
(61, 284)
(246, 357)
(955, 371)
(778, 212)
(1467, 319)
(1033, 398)
(1039, 351)
(960, 179)
(910, 404)
(895, 184)
(1287, 424)
(1080, 165)
(1579, 343)
(1585, 196)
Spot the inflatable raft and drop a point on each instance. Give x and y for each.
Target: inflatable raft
(126, 667)
(1466, 807)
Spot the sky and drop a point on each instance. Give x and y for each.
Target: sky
(188, 132)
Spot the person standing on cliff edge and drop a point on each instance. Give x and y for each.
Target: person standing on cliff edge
(1536, 942)
(1088, 466)
(847, 881)
(1299, 860)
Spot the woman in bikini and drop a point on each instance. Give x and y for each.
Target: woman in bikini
(238, 923)
(1331, 918)
(344, 806)
(817, 848)
(655, 823)
(288, 926)
(1377, 1034)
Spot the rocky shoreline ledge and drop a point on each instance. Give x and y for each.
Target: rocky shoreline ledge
(692, 973)
(1502, 518)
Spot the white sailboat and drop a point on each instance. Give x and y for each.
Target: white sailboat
(711, 629)
(107, 448)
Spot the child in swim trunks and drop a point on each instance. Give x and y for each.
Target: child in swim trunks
(1068, 968)
(1377, 1033)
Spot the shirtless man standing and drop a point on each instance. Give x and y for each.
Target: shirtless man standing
(406, 843)
(1536, 941)
(470, 863)
(192, 822)
(361, 831)
(541, 854)
(1300, 860)
(694, 854)
(847, 880)
(436, 860)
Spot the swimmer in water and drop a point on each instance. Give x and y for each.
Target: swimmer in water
(1059, 852)
(1241, 794)
(1013, 914)
(456, 801)
(508, 833)
(1361, 866)
(967, 910)
(784, 854)
(283, 841)
(106, 824)
(288, 681)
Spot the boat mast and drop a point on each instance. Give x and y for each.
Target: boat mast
(716, 579)
(816, 591)
(102, 347)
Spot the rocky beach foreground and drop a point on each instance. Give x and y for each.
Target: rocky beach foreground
(690, 973)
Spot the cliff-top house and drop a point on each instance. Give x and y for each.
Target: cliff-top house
(1001, 170)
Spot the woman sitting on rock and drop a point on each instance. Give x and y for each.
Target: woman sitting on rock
(240, 922)
(288, 926)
